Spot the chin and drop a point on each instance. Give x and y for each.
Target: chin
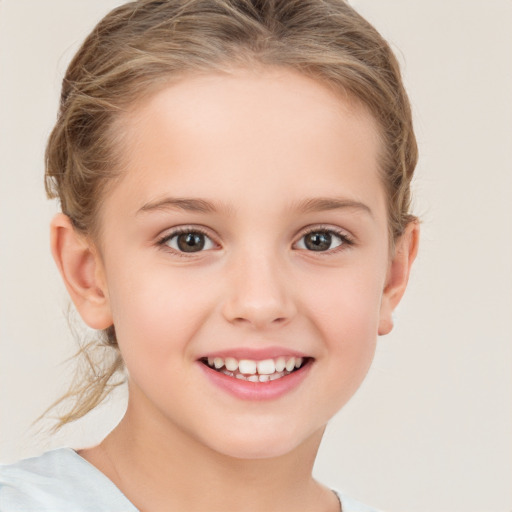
(251, 444)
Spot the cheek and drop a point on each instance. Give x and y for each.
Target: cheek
(347, 306)
(152, 310)
(346, 312)
(347, 320)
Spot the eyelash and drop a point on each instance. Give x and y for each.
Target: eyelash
(162, 242)
(346, 240)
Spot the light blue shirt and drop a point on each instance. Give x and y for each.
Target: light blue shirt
(62, 481)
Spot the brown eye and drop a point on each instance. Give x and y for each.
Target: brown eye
(189, 241)
(321, 240)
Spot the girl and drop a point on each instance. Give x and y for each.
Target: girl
(234, 181)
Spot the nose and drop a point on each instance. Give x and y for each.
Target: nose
(259, 293)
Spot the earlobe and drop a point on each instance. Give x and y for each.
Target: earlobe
(399, 270)
(82, 271)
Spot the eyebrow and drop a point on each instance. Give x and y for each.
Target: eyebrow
(322, 204)
(316, 204)
(190, 205)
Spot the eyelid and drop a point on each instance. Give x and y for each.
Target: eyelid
(347, 239)
(178, 230)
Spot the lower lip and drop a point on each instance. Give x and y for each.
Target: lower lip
(246, 390)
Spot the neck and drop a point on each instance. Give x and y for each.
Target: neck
(159, 467)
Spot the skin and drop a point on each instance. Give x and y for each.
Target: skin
(257, 147)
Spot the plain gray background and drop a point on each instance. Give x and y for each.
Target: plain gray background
(431, 428)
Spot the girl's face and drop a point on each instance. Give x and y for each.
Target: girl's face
(249, 229)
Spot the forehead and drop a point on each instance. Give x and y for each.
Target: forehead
(250, 133)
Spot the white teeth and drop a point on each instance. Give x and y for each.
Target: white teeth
(231, 364)
(256, 371)
(266, 367)
(247, 366)
(280, 364)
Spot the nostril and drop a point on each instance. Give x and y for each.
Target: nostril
(260, 321)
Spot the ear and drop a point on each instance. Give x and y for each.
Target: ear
(406, 248)
(81, 269)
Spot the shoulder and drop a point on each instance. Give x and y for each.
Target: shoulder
(58, 480)
(348, 504)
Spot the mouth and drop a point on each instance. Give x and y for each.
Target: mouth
(250, 370)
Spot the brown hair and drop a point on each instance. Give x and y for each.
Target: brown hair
(145, 44)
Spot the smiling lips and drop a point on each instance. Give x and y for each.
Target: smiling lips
(265, 370)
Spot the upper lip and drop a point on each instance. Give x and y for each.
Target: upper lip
(256, 354)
